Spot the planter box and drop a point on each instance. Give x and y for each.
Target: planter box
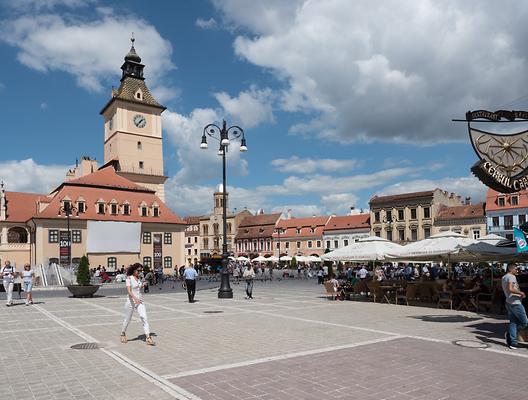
(83, 290)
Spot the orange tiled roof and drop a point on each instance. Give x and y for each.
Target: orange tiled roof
(106, 177)
(192, 220)
(257, 226)
(461, 212)
(22, 206)
(290, 227)
(492, 203)
(348, 222)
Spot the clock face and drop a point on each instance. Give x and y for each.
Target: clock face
(140, 121)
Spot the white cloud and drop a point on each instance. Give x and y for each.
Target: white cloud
(91, 51)
(468, 186)
(206, 23)
(185, 133)
(298, 165)
(300, 210)
(47, 4)
(339, 203)
(385, 70)
(250, 108)
(28, 176)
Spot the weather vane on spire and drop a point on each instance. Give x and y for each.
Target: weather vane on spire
(132, 39)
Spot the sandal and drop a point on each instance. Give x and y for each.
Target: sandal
(124, 338)
(149, 341)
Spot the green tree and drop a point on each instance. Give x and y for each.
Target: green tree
(83, 272)
(293, 263)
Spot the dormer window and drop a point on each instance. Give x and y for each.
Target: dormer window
(144, 211)
(126, 209)
(297, 231)
(66, 204)
(514, 201)
(100, 208)
(113, 209)
(312, 230)
(81, 207)
(139, 95)
(501, 202)
(155, 211)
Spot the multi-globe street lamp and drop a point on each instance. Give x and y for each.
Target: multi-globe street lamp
(224, 135)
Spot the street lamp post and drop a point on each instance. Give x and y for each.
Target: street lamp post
(67, 209)
(224, 135)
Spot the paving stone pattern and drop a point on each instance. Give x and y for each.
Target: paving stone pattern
(288, 343)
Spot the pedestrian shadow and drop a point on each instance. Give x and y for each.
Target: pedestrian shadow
(445, 318)
(142, 338)
(489, 330)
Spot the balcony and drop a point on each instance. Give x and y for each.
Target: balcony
(14, 246)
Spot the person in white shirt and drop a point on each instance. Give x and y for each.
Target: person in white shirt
(249, 275)
(8, 275)
(190, 276)
(516, 311)
(362, 273)
(28, 277)
(135, 302)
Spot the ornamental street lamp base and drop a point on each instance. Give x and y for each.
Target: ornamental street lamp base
(225, 291)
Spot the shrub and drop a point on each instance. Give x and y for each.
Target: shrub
(83, 272)
(293, 263)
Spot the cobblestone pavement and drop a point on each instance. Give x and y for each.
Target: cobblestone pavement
(288, 343)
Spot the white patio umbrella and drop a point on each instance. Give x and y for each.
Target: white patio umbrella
(302, 259)
(492, 239)
(372, 248)
(259, 259)
(314, 259)
(285, 258)
(272, 259)
(451, 247)
(242, 258)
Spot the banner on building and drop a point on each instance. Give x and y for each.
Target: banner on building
(113, 237)
(64, 247)
(503, 164)
(157, 248)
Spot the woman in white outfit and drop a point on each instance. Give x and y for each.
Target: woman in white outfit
(28, 277)
(8, 275)
(134, 302)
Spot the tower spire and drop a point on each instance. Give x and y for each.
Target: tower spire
(132, 66)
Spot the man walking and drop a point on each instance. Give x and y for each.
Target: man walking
(516, 311)
(190, 276)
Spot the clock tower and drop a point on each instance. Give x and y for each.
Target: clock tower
(133, 140)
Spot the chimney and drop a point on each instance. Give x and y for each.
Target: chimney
(3, 207)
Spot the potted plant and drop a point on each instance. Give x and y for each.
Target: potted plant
(83, 288)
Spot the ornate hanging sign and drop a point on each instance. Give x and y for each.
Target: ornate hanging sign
(503, 164)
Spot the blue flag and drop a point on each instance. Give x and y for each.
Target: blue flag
(520, 240)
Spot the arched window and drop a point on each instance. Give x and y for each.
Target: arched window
(17, 234)
(215, 228)
(111, 263)
(206, 230)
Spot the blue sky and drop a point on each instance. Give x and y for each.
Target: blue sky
(339, 100)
